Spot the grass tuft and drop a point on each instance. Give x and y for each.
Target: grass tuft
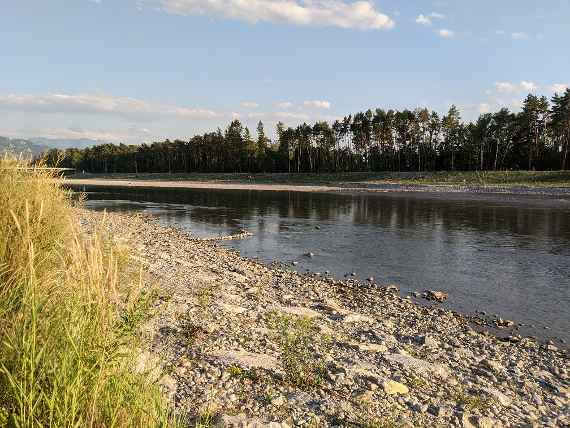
(69, 308)
(296, 337)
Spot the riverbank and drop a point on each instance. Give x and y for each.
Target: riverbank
(549, 183)
(242, 341)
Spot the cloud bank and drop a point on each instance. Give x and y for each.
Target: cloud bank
(361, 15)
(131, 108)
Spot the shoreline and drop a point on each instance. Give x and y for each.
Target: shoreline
(341, 188)
(250, 343)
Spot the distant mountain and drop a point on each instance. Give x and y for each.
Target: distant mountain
(20, 146)
(66, 143)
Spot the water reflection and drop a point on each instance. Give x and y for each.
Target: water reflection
(507, 255)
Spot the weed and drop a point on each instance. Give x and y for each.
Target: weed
(471, 401)
(66, 301)
(295, 335)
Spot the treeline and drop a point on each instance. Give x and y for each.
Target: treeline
(538, 137)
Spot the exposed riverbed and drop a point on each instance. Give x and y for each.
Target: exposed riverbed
(241, 344)
(506, 255)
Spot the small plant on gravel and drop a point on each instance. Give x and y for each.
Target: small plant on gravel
(472, 401)
(205, 419)
(297, 337)
(191, 331)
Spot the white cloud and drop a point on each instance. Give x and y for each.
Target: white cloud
(447, 34)
(249, 104)
(437, 15)
(559, 87)
(130, 135)
(512, 88)
(98, 104)
(423, 20)
(505, 87)
(500, 32)
(519, 36)
(484, 108)
(317, 104)
(427, 19)
(528, 86)
(334, 13)
(285, 105)
(287, 115)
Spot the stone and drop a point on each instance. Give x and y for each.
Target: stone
(391, 288)
(354, 318)
(491, 366)
(427, 340)
(439, 411)
(391, 387)
(504, 323)
(278, 401)
(438, 296)
(233, 309)
(300, 311)
(498, 396)
(421, 366)
(309, 254)
(373, 348)
(469, 421)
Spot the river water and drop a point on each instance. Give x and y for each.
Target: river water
(503, 254)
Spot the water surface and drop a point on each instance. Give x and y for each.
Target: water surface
(503, 254)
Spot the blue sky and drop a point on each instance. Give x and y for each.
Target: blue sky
(138, 70)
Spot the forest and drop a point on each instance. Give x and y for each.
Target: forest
(536, 138)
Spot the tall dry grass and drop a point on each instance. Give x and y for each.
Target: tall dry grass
(65, 358)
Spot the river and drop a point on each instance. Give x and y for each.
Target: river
(506, 255)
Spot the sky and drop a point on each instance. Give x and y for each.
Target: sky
(137, 71)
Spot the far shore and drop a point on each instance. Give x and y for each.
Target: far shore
(242, 182)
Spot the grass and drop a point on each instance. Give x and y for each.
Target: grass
(69, 312)
(295, 337)
(362, 179)
(472, 401)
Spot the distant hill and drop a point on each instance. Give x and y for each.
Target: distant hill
(65, 143)
(34, 146)
(20, 146)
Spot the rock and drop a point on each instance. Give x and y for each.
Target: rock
(491, 366)
(498, 396)
(371, 347)
(390, 288)
(354, 318)
(294, 263)
(504, 323)
(300, 311)
(416, 364)
(391, 387)
(278, 401)
(309, 254)
(370, 279)
(438, 296)
(439, 411)
(234, 309)
(427, 340)
(364, 396)
(469, 421)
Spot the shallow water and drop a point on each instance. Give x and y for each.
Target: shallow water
(506, 255)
